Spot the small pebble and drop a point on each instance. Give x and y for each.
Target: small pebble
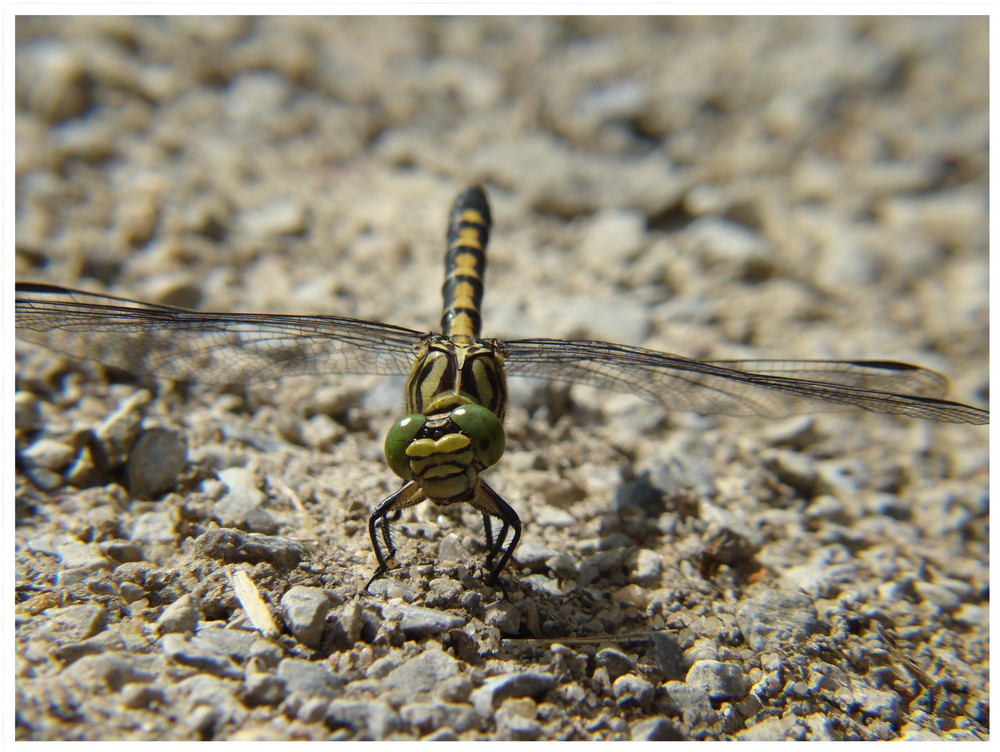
(633, 691)
(157, 457)
(521, 684)
(180, 616)
(243, 507)
(305, 610)
(232, 546)
(418, 622)
(49, 454)
(720, 680)
(775, 617)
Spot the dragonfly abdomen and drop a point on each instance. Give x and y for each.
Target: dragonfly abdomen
(465, 265)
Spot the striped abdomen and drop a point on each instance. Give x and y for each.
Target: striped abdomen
(465, 265)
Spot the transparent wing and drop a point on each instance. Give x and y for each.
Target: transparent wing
(239, 348)
(230, 348)
(768, 388)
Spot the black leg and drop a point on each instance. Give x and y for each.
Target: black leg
(389, 510)
(497, 546)
(490, 503)
(489, 530)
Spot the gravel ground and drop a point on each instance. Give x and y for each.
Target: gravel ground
(803, 188)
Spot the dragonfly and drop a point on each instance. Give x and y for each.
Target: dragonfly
(456, 390)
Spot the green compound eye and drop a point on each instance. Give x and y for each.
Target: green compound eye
(485, 430)
(402, 432)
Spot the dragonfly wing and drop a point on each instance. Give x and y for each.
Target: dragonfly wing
(765, 388)
(228, 348)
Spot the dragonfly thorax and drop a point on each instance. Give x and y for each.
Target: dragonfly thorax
(447, 374)
(444, 454)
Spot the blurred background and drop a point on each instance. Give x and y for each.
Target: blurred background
(816, 187)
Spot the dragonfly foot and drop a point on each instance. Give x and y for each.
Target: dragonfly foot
(379, 574)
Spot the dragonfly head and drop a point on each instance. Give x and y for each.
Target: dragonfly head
(445, 453)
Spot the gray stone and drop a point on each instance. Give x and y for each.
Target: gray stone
(794, 468)
(137, 696)
(771, 730)
(427, 717)
(205, 689)
(421, 677)
(121, 550)
(309, 678)
(516, 727)
(945, 598)
(203, 718)
(283, 216)
(232, 546)
(549, 516)
(973, 615)
(391, 588)
(87, 556)
(49, 454)
(520, 684)
(614, 661)
(669, 656)
(305, 610)
(382, 666)
(563, 566)
(451, 548)
(155, 527)
(543, 585)
(599, 564)
(659, 729)
(236, 643)
(418, 622)
(157, 457)
(74, 623)
(345, 624)
(27, 412)
(131, 592)
(631, 690)
(841, 477)
(693, 703)
(504, 616)
(648, 568)
(103, 642)
(109, 671)
(311, 709)
(243, 506)
(43, 479)
(444, 592)
(321, 432)
(265, 652)
(180, 616)
(798, 432)
(612, 232)
(374, 718)
(263, 688)
(116, 433)
(775, 617)
(533, 554)
(721, 681)
(722, 240)
(198, 655)
(441, 735)
(881, 703)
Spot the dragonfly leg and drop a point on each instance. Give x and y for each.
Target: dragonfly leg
(493, 547)
(490, 503)
(388, 511)
(488, 529)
